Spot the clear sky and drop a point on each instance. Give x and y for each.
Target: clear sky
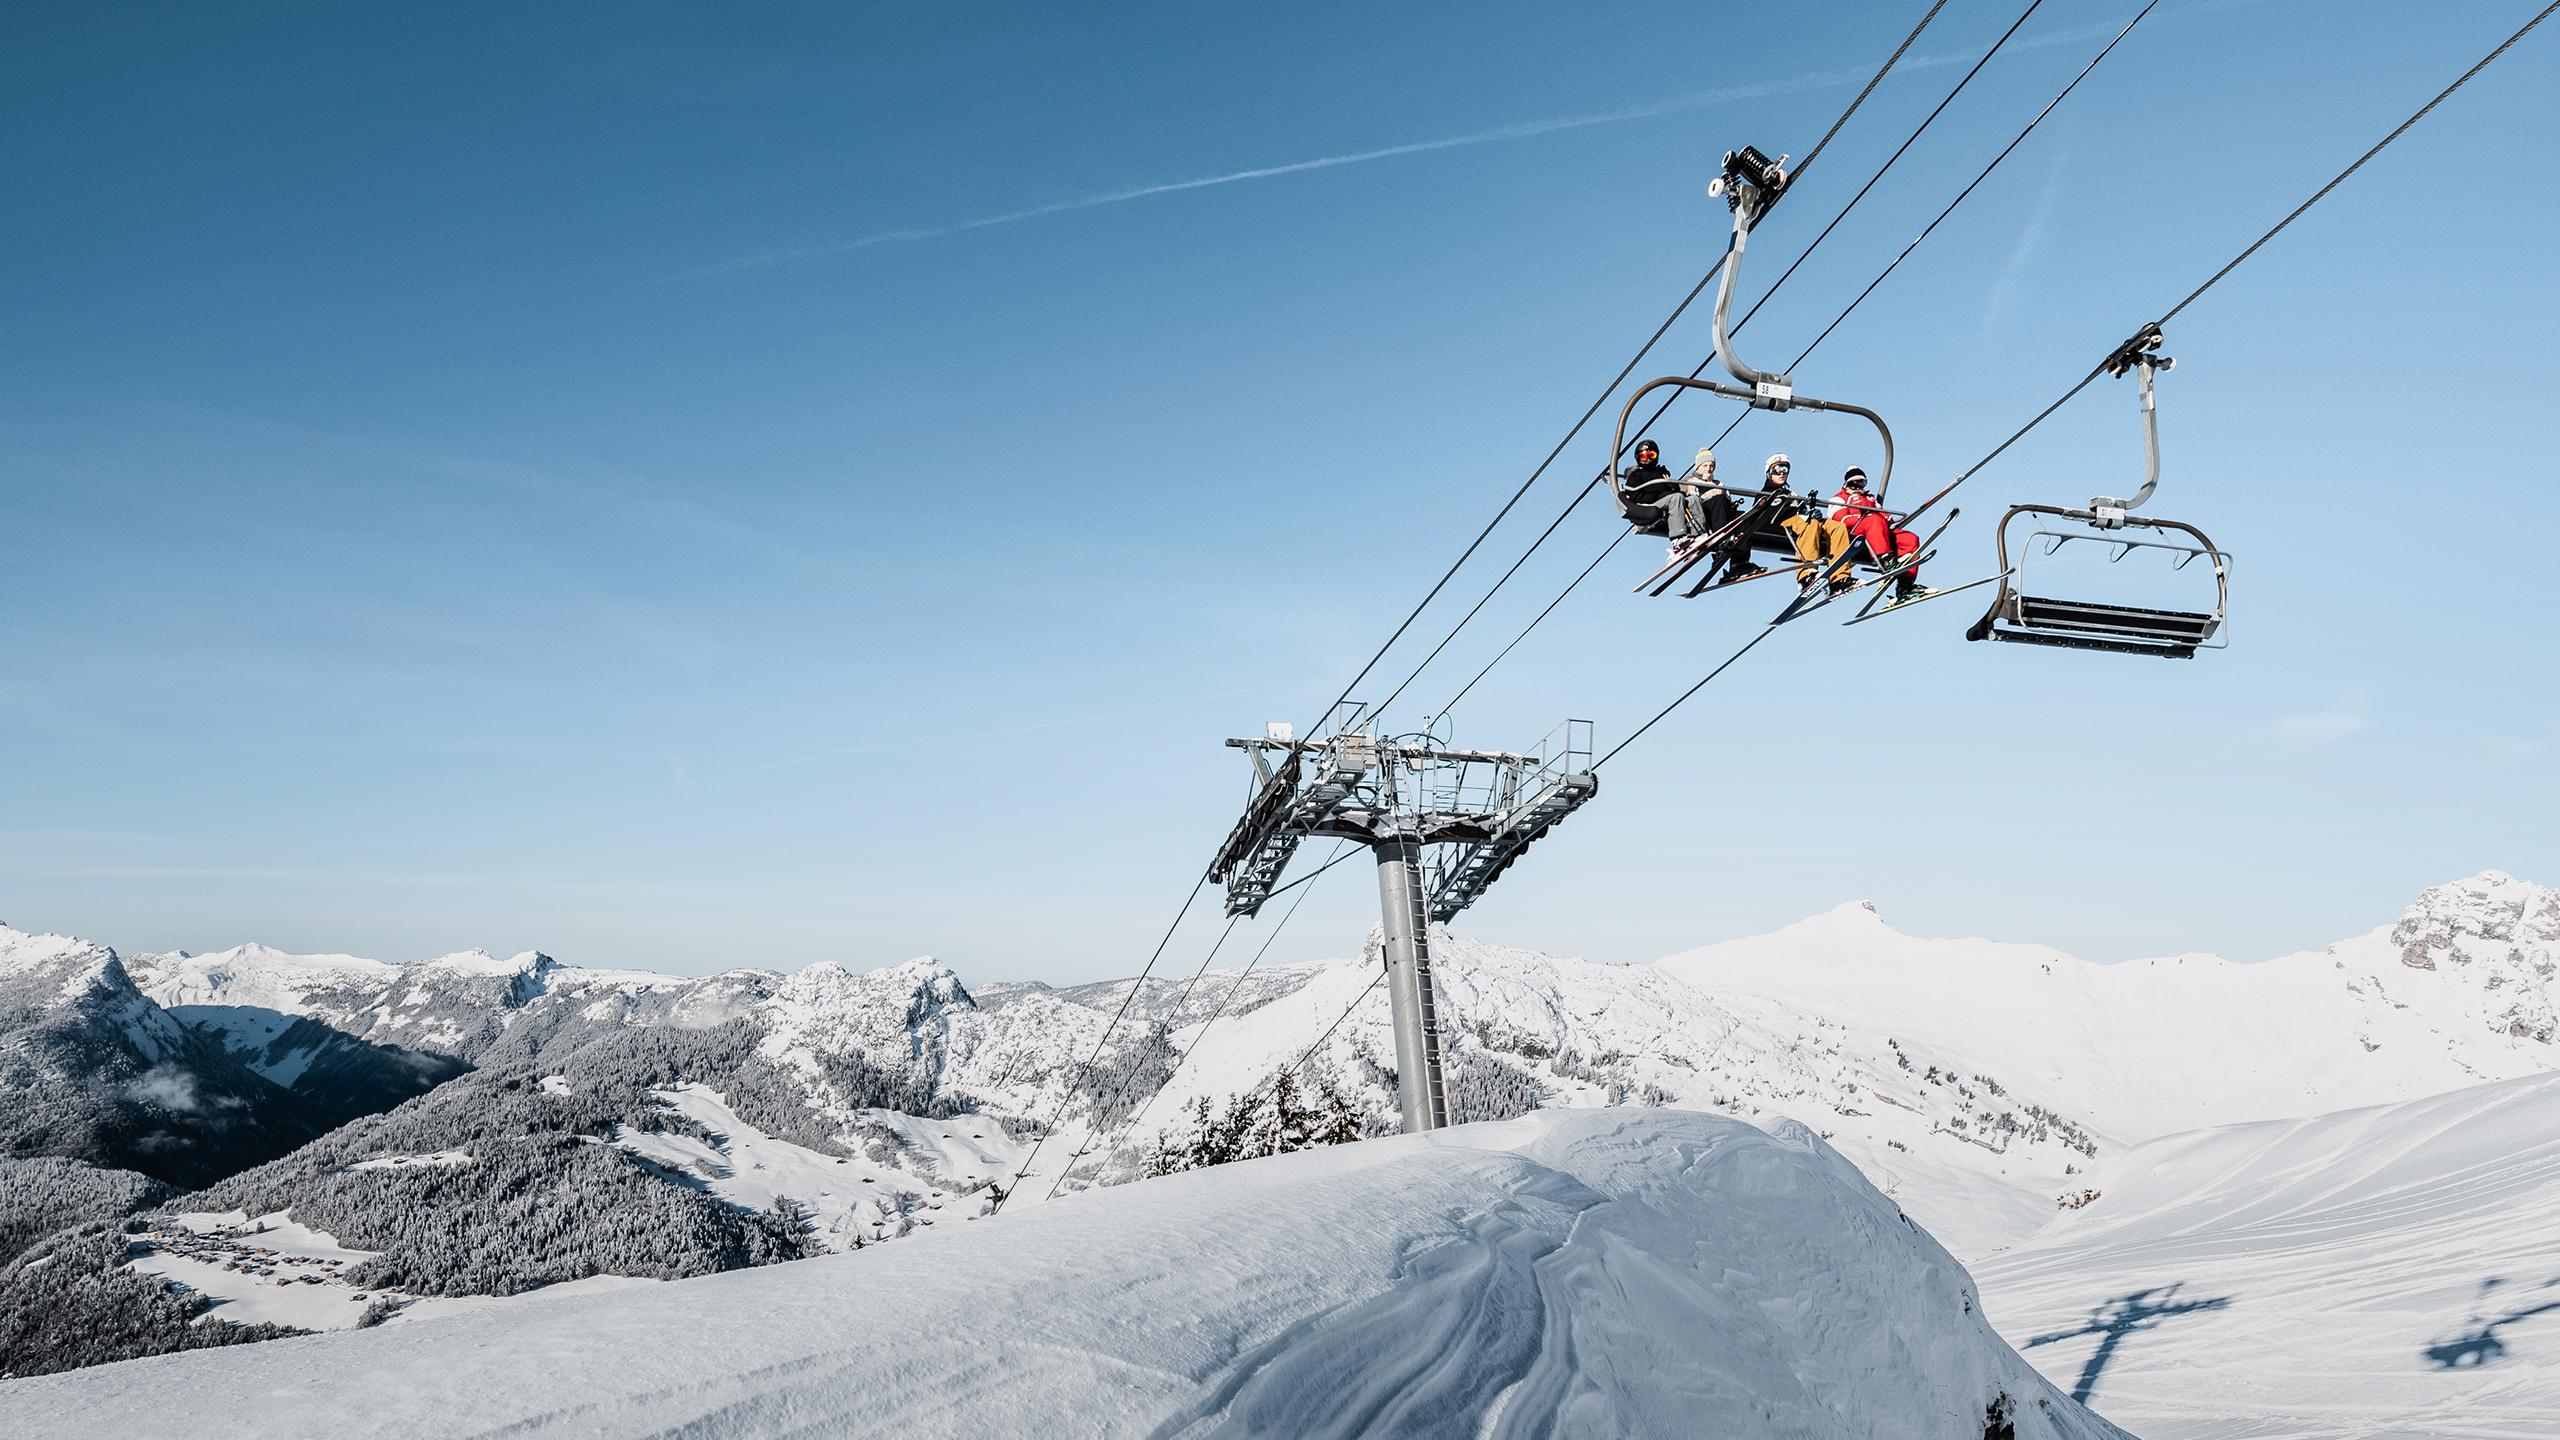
(694, 485)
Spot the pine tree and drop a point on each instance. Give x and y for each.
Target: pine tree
(1335, 1122)
(1277, 1119)
(1164, 1157)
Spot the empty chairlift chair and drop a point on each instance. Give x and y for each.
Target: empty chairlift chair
(2022, 617)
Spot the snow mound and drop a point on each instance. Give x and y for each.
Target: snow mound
(1599, 1273)
(2389, 1271)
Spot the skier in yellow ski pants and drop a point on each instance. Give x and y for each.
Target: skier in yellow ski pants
(1819, 542)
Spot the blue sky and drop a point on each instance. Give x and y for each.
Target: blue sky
(687, 486)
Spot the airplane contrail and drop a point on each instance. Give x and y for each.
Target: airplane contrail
(1696, 100)
(1524, 130)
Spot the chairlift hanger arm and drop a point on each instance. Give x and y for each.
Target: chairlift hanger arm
(2141, 355)
(1751, 184)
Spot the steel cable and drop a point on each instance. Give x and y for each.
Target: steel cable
(1067, 1092)
(1703, 281)
(1836, 320)
(1765, 296)
(2083, 383)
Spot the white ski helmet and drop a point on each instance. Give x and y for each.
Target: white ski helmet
(1777, 460)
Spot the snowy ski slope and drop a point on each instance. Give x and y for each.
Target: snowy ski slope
(1587, 1273)
(2386, 1271)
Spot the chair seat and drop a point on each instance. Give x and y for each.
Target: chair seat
(2131, 622)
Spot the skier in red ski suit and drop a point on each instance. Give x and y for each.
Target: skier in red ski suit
(1856, 509)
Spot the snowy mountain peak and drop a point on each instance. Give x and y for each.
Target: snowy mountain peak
(22, 954)
(900, 996)
(2489, 917)
(2497, 935)
(1858, 915)
(255, 954)
(481, 962)
(251, 974)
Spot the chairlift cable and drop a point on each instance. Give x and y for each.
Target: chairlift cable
(2377, 149)
(1728, 430)
(1473, 545)
(1309, 1053)
(1908, 141)
(1873, 81)
(1067, 1092)
(2254, 246)
(1765, 632)
(1575, 584)
(1765, 296)
(1279, 890)
(2004, 154)
(2042, 415)
(1695, 291)
(1120, 1093)
(1628, 369)
(1344, 852)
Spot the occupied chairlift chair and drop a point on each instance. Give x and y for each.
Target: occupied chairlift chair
(2022, 618)
(1751, 184)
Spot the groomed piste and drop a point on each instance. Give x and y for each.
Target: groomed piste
(1590, 1273)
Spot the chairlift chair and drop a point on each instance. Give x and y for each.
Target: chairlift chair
(2024, 618)
(1750, 184)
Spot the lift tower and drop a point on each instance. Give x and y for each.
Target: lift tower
(1401, 795)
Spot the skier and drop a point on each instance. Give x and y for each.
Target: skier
(1716, 514)
(1854, 508)
(1819, 542)
(1654, 501)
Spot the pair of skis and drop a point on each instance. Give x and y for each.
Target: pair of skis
(1710, 583)
(1869, 611)
(1819, 594)
(1686, 554)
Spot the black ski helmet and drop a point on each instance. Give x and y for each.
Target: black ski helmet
(1854, 478)
(1647, 447)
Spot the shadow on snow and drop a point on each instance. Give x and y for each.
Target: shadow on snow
(2482, 1344)
(2113, 1320)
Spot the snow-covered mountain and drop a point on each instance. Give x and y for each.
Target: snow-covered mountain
(763, 1115)
(93, 1070)
(1623, 1273)
(2458, 990)
(453, 1005)
(1979, 1080)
